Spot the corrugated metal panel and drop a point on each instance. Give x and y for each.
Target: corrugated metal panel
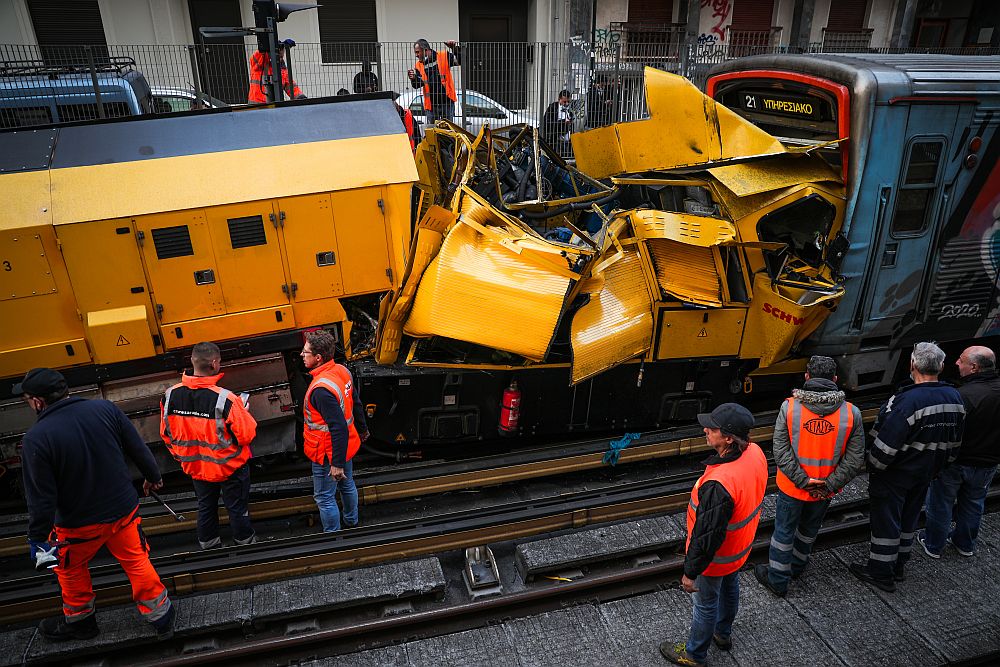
(962, 286)
(617, 323)
(686, 272)
(690, 229)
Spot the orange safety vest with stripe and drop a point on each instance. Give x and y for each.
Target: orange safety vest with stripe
(317, 442)
(260, 64)
(818, 442)
(447, 80)
(206, 428)
(744, 480)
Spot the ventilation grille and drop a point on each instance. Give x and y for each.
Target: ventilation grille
(172, 242)
(246, 232)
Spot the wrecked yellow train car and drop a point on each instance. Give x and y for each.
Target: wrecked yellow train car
(691, 234)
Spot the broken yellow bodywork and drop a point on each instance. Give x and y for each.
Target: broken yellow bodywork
(683, 276)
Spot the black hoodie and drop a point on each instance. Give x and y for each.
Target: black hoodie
(981, 437)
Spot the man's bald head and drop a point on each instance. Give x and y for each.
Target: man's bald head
(976, 359)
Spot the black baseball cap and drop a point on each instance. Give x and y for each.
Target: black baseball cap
(41, 382)
(730, 418)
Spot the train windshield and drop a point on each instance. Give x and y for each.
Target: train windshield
(797, 112)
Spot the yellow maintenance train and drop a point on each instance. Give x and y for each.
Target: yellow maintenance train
(629, 291)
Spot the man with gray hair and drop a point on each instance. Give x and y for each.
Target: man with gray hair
(962, 486)
(819, 446)
(917, 433)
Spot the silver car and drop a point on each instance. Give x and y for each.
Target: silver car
(479, 109)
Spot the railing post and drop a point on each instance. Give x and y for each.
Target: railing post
(461, 91)
(195, 74)
(542, 69)
(619, 84)
(93, 79)
(378, 67)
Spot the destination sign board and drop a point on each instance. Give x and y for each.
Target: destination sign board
(783, 105)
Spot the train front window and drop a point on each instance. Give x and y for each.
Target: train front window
(915, 198)
(803, 226)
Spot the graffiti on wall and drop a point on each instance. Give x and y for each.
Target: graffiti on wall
(721, 10)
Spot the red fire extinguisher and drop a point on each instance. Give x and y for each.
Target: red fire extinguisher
(510, 409)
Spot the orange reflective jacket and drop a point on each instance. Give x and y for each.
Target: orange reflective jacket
(447, 80)
(317, 443)
(260, 65)
(206, 428)
(818, 442)
(744, 480)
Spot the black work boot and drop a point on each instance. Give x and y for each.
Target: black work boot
(164, 626)
(59, 630)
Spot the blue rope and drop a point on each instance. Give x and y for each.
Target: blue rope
(616, 447)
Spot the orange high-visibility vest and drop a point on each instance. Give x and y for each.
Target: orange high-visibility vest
(260, 64)
(317, 443)
(206, 428)
(408, 124)
(447, 80)
(745, 480)
(819, 443)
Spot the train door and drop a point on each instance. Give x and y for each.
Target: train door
(359, 216)
(179, 259)
(314, 260)
(245, 238)
(909, 216)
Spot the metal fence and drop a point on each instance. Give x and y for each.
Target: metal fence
(500, 83)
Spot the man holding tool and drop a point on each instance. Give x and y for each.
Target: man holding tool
(80, 498)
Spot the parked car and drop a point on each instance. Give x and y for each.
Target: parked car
(33, 92)
(170, 100)
(479, 109)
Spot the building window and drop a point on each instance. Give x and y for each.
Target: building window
(348, 31)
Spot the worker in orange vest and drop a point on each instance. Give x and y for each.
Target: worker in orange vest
(209, 430)
(81, 498)
(722, 520)
(432, 72)
(334, 428)
(260, 67)
(412, 126)
(819, 446)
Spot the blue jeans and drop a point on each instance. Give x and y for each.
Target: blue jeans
(715, 607)
(325, 492)
(962, 490)
(796, 525)
(440, 110)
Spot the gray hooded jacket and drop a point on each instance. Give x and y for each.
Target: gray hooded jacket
(821, 397)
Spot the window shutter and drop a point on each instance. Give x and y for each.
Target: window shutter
(67, 22)
(348, 31)
(651, 12)
(847, 16)
(752, 15)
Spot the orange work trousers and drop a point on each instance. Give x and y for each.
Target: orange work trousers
(126, 543)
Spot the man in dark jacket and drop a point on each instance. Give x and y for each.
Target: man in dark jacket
(819, 446)
(917, 433)
(967, 479)
(80, 498)
(557, 125)
(722, 520)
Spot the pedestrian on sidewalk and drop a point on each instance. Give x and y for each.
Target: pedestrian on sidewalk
(959, 491)
(209, 431)
(334, 428)
(819, 446)
(917, 433)
(81, 498)
(722, 520)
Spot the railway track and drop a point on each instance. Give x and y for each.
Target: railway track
(429, 479)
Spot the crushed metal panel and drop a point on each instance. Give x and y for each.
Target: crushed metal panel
(685, 128)
(737, 207)
(485, 289)
(686, 272)
(696, 230)
(617, 323)
(750, 178)
(392, 314)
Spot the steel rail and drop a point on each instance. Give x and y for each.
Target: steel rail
(474, 477)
